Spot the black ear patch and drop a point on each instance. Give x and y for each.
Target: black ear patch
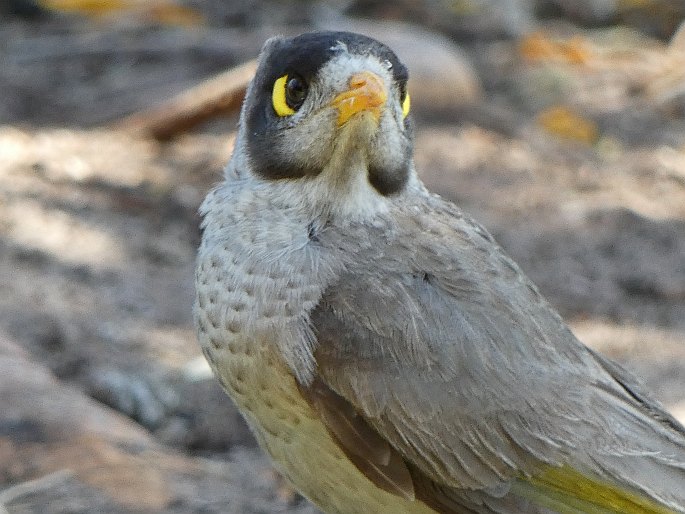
(389, 180)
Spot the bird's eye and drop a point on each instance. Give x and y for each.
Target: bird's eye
(406, 102)
(288, 94)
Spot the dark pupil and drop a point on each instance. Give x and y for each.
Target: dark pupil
(295, 92)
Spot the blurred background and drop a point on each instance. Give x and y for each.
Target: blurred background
(558, 124)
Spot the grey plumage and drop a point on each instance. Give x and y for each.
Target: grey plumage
(384, 349)
(450, 352)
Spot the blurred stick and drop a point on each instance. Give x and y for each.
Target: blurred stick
(33, 486)
(221, 94)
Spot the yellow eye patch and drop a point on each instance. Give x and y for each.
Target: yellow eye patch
(406, 105)
(278, 97)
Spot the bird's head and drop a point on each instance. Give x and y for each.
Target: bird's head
(329, 106)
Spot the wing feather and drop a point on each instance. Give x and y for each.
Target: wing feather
(372, 454)
(444, 347)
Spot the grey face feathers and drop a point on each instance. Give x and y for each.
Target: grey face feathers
(322, 100)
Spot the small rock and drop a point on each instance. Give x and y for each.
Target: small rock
(131, 395)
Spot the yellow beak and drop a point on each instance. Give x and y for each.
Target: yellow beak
(366, 93)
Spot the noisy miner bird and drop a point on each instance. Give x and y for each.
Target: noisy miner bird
(385, 351)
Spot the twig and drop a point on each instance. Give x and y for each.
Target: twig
(32, 486)
(221, 94)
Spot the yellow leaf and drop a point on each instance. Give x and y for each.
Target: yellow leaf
(539, 47)
(563, 122)
(169, 14)
(92, 7)
(164, 12)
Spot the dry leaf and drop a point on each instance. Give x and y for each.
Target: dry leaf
(539, 47)
(164, 12)
(563, 122)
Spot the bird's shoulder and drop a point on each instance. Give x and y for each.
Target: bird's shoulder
(432, 331)
(429, 274)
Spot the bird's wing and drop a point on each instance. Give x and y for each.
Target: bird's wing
(436, 340)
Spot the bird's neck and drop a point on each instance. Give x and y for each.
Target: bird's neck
(342, 190)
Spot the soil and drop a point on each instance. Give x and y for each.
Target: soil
(107, 403)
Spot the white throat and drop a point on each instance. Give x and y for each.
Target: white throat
(342, 190)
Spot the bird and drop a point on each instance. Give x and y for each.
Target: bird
(383, 348)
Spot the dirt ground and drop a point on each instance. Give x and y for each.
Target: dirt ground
(564, 136)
